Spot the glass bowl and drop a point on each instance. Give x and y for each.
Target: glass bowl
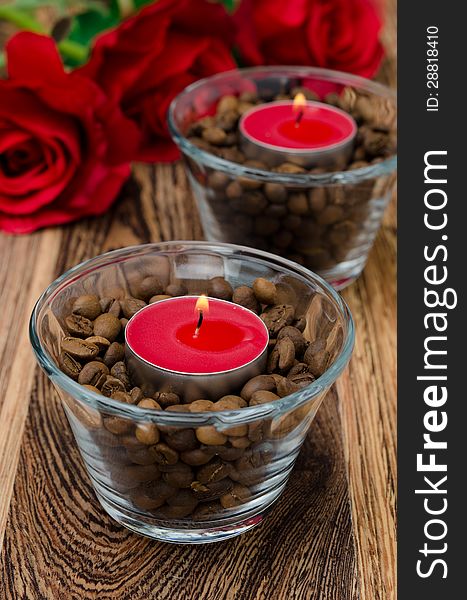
(324, 218)
(131, 482)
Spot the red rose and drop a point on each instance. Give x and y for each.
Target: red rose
(63, 146)
(153, 55)
(337, 34)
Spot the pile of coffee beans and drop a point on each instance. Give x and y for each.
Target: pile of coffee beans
(317, 226)
(196, 472)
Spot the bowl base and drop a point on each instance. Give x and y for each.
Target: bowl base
(180, 535)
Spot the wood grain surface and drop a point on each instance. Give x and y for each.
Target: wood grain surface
(331, 536)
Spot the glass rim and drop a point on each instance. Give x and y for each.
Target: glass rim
(384, 167)
(224, 418)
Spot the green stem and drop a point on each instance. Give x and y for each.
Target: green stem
(68, 48)
(73, 50)
(20, 19)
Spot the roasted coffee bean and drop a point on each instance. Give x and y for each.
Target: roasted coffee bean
(147, 433)
(317, 199)
(266, 225)
(181, 477)
(229, 402)
(264, 290)
(211, 491)
(183, 497)
(79, 348)
(115, 309)
(105, 303)
(201, 406)
(93, 373)
(330, 215)
(92, 388)
(113, 354)
(210, 436)
(240, 442)
(276, 211)
(214, 135)
(317, 361)
(149, 403)
(296, 336)
(136, 395)
(112, 385)
(119, 371)
(107, 326)
(79, 326)
(239, 494)
(251, 203)
(158, 298)
(87, 306)
(298, 203)
(176, 289)
(262, 397)
(227, 121)
(217, 180)
(245, 296)
(298, 369)
(283, 355)
(176, 512)
(122, 397)
(227, 103)
(146, 455)
(118, 425)
(228, 453)
(99, 341)
(135, 474)
(149, 286)
(166, 399)
(130, 306)
(289, 168)
(277, 317)
(69, 365)
(275, 193)
(234, 190)
(206, 510)
(153, 495)
(197, 457)
(182, 440)
(214, 471)
(165, 455)
(218, 287)
(260, 382)
(294, 383)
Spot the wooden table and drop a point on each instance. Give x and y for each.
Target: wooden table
(330, 537)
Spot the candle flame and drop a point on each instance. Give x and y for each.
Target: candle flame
(202, 304)
(299, 103)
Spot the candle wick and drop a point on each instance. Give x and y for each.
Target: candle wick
(298, 118)
(198, 326)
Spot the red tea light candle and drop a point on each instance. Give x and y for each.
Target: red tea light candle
(195, 346)
(299, 131)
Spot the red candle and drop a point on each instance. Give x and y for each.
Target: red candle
(215, 344)
(163, 334)
(311, 131)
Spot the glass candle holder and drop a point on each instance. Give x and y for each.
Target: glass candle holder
(204, 488)
(324, 218)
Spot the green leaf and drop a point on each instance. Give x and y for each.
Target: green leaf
(92, 22)
(140, 3)
(229, 4)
